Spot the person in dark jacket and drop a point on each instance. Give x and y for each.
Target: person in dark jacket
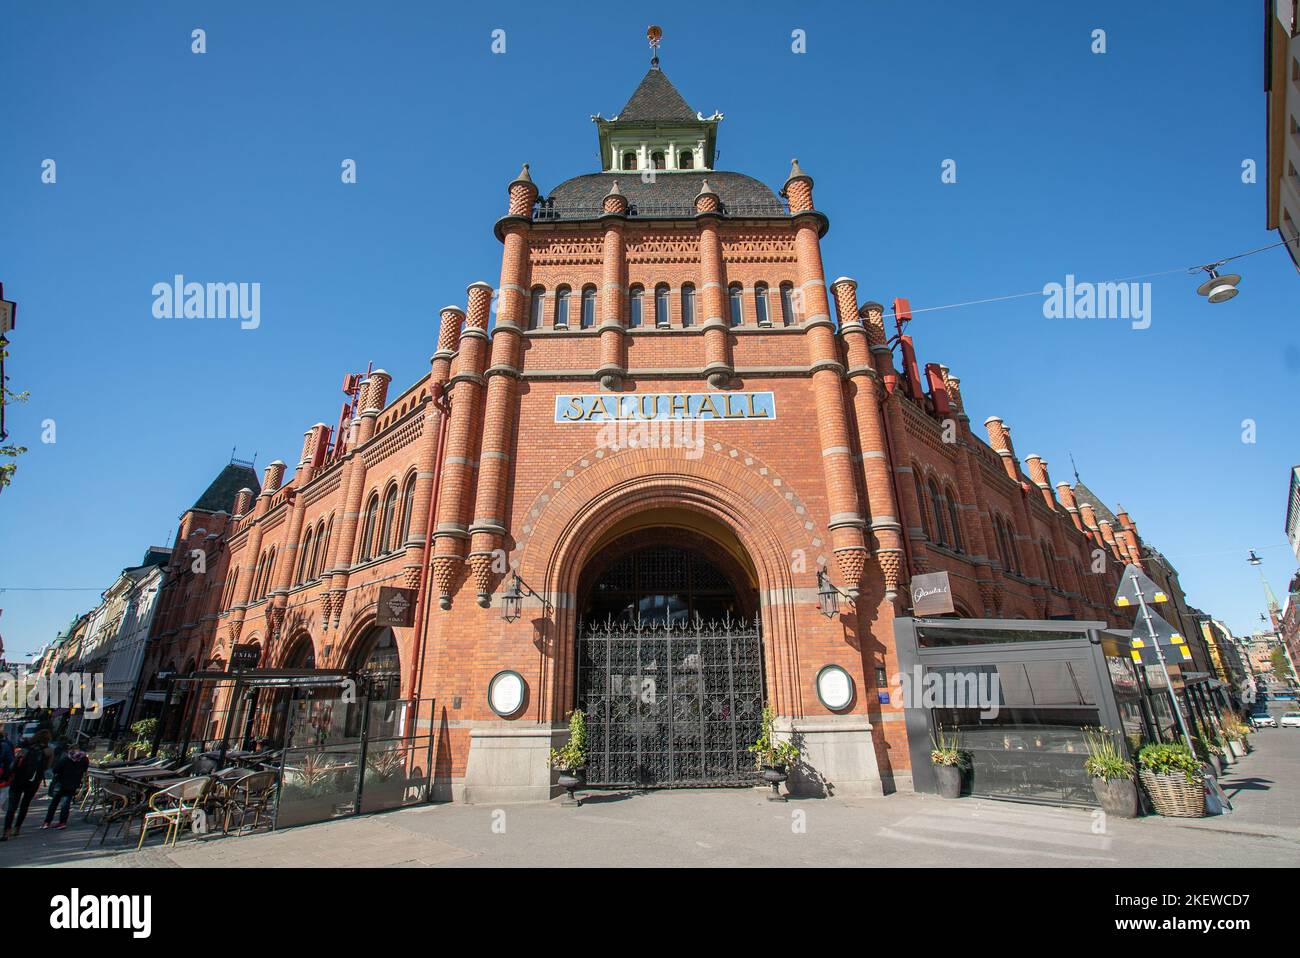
(29, 773)
(69, 769)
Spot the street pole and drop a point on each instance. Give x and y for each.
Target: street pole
(1160, 654)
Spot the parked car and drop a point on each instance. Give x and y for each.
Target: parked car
(1290, 720)
(1262, 719)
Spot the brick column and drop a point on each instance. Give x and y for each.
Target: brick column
(712, 296)
(460, 463)
(500, 414)
(451, 318)
(846, 522)
(873, 315)
(353, 486)
(865, 389)
(613, 290)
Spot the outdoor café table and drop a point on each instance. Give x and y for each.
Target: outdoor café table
(138, 775)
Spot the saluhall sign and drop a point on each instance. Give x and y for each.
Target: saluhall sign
(651, 407)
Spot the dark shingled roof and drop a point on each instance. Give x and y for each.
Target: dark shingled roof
(669, 195)
(220, 496)
(1083, 494)
(656, 100)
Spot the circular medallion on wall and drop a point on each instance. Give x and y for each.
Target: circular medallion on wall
(835, 688)
(506, 693)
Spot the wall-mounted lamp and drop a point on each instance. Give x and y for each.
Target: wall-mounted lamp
(512, 599)
(828, 595)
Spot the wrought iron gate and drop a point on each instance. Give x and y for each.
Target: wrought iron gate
(674, 704)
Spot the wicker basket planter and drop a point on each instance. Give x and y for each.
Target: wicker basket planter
(1173, 795)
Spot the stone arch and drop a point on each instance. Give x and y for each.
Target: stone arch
(728, 490)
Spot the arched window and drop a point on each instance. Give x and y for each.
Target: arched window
(562, 308)
(255, 592)
(325, 549)
(1013, 560)
(686, 160)
(588, 318)
(736, 296)
(999, 540)
(688, 305)
(629, 160)
(315, 560)
(270, 572)
(787, 304)
(661, 306)
(368, 530)
(304, 560)
(920, 500)
(954, 520)
(230, 590)
(536, 301)
(657, 160)
(1048, 564)
(385, 542)
(762, 314)
(634, 297)
(408, 507)
(936, 504)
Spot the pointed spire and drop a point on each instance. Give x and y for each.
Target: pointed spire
(523, 176)
(614, 190)
(794, 170)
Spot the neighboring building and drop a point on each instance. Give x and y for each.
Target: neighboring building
(1282, 84)
(1289, 623)
(672, 419)
(184, 619)
(1293, 511)
(1160, 570)
(135, 592)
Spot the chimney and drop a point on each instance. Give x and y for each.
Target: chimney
(1066, 495)
(243, 500)
(1000, 440)
(952, 385)
(616, 202)
(1037, 466)
(272, 478)
(315, 443)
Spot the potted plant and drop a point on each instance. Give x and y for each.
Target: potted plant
(1111, 773)
(949, 760)
(773, 758)
(1172, 776)
(571, 761)
(1234, 733)
(384, 785)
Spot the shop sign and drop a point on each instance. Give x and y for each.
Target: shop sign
(650, 407)
(396, 607)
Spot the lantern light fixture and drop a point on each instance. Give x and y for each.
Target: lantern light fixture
(1218, 289)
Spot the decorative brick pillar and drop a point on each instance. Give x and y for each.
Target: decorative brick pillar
(846, 523)
(873, 320)
(489, 528)
(718, 367)
(613, 345)
(886, 530)
(460, 463)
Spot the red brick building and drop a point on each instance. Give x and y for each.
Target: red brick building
(674, 416)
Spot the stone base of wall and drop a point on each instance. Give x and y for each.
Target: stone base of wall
(508, 763)
(839, 758)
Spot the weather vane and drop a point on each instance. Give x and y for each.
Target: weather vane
(654, 35)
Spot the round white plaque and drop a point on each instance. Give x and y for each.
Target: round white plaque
(506, 693)
(835, 688)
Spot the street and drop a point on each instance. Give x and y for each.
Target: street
(740, 828)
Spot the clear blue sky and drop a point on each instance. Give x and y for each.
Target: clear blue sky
(225, 167)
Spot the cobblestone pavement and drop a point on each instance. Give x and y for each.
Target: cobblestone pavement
(741, 828)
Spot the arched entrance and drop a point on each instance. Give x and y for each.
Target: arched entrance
(669, 661)
(378, 668)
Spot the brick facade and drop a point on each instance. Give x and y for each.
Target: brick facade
(872, 471)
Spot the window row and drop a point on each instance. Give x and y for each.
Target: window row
(939, 512)
(659, 160)
(757, 304)
(387, 523)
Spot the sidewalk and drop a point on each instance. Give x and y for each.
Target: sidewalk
(740, 828)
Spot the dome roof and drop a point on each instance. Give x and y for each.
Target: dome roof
(668, 195)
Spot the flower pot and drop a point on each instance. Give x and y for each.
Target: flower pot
(774, 775)
(1117, 796)
(1238, 750)
(569, 779)
(1173, 795)
(948, 778)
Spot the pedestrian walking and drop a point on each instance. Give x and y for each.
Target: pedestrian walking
(65, 779)
(29, 773)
